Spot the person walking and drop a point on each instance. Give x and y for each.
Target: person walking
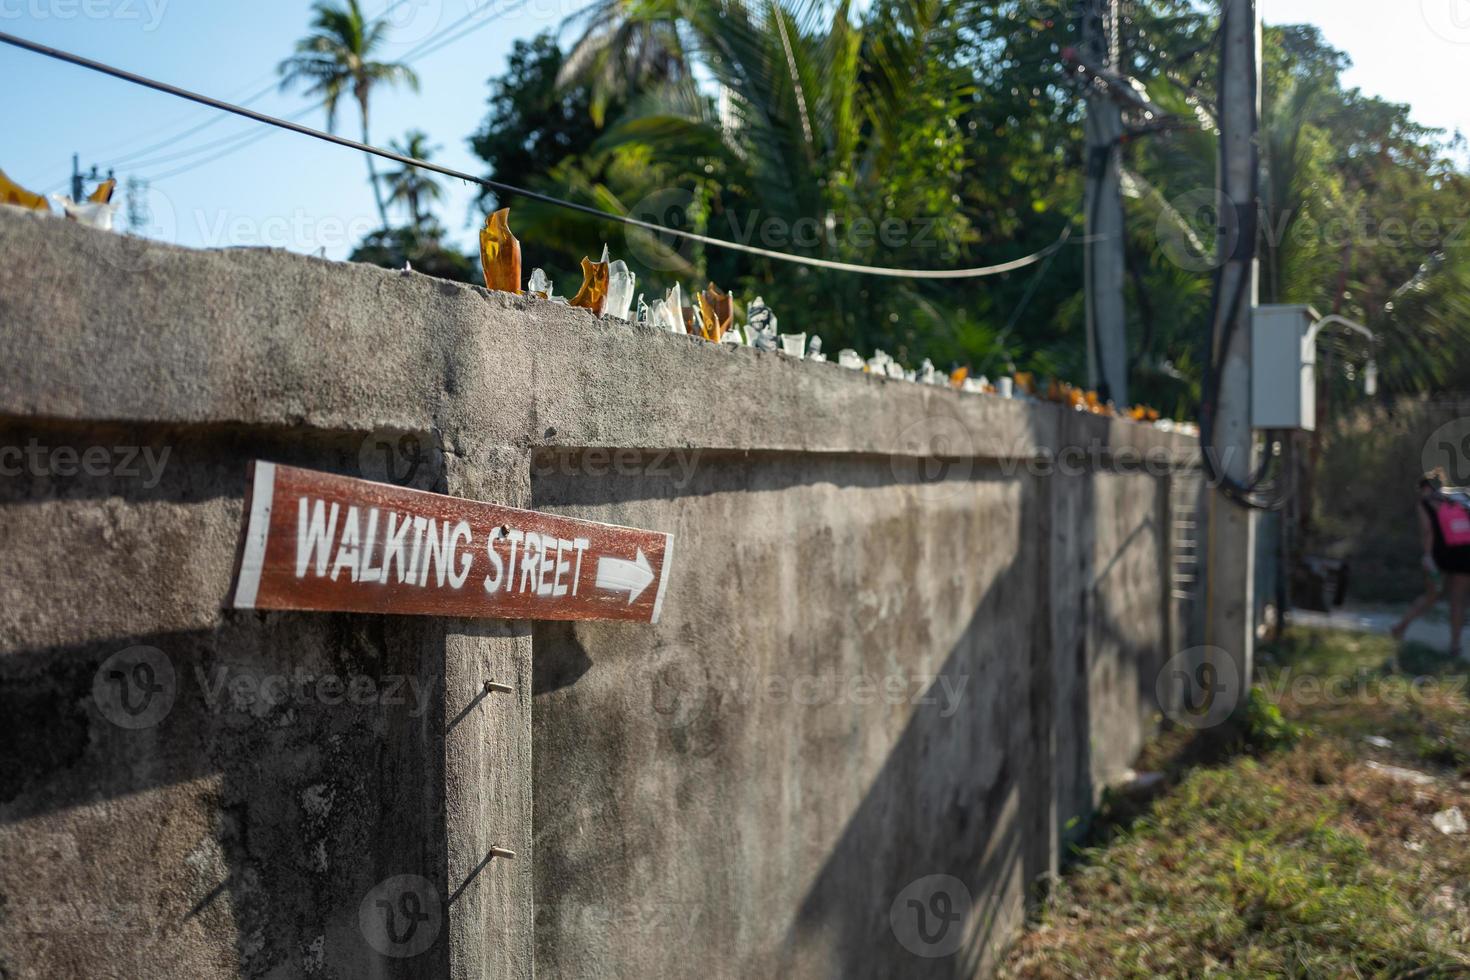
(1444, 528)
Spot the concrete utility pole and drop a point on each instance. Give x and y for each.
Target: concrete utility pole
(1107, 333)
(78, 189)
(1230, 527)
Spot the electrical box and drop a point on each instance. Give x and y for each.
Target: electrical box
(1283, 368)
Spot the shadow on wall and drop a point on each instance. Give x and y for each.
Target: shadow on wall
(932, 874)
(212, 802)
(934, 866)
(688, 826)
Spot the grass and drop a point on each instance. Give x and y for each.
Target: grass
(1275, 849)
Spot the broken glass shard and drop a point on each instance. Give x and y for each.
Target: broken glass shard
(620, 283)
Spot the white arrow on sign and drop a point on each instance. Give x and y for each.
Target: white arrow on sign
(621, 575)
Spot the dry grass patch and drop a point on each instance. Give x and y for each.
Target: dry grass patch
(1298, 860)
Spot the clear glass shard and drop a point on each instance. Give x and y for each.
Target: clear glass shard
(620, 283)
(794, 345)
(850, 359)
(673, 310)
(540, 285)
(92, 214)
(760, 325)
(760, 318)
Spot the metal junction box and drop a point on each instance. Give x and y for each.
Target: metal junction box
(1284, 368)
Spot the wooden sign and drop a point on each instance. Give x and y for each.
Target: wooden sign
(317, 541)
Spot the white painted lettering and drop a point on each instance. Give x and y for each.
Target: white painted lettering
(419, 524)
(314, 535)
(558, 586)
(349, 547)
(581, 545)
(461, 531)
(497, 564)
(368, 572)
(393, 547)
(530, 561)
(516, 536)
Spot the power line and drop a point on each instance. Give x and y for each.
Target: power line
(242, 140)
(133, 154)
(435, 41)
(212, 145)
(428, 45)
(467, 31)
(503, 188)
(131, 157)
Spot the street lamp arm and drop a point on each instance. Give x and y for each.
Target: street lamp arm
(1340, 321)
(1370, 371)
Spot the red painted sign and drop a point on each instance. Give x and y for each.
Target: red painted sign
(317, 541)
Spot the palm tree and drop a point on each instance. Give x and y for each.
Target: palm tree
(821, 120)
(626, 47)
(410, 186)
(336, 58)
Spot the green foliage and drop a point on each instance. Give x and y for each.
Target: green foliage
(1263, 726)
(1369, 465)
(532, 126)
(811, 128)
(421, 248)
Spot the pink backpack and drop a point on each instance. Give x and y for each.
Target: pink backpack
(1454, 521)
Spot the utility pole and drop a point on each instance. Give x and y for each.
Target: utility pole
(77, 189)
(1231, 527)
(1107, 333)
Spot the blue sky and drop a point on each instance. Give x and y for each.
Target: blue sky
(293, 192)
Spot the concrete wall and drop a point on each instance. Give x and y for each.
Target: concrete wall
(895, 645)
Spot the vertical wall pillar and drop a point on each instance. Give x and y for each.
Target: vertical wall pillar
(487, 764)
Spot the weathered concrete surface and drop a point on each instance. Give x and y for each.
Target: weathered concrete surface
(234, 832)
(264, 337)
(749, 790)
(721, 794)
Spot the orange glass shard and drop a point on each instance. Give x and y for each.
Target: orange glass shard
(13, 193)
(718, 311)
(959, 376)
(1026, 381)
(709, 322)
(103, 193)
(593, 294)
(500, 254)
